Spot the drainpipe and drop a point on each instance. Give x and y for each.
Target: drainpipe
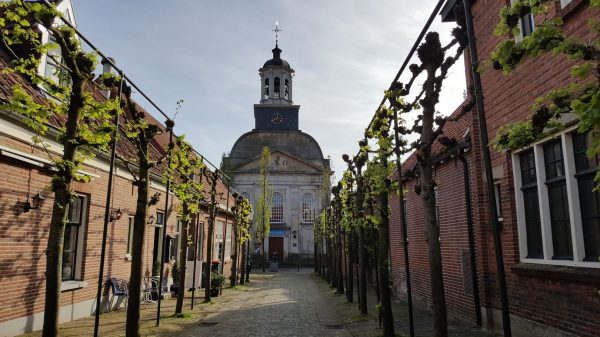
(487, 163)
(471, 235)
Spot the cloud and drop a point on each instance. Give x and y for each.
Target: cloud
(345, 54)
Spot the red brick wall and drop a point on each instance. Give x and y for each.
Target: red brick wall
(23, 236)
(568, 302)
(543, 299)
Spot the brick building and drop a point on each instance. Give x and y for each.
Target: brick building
(26, 171)
(548, 212)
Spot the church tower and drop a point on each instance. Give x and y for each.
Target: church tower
(297, 165)
(276, 110)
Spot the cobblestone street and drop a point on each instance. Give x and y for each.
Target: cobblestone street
(288, 303)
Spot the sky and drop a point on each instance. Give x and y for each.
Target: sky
(208, 52)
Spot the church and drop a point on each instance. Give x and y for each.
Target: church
(297, 164)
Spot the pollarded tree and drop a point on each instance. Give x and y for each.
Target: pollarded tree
(429, 125)
(86, 123)
(581, 96)
(243, 217)
(262, 216)
(380, 184)
(140, 133)
(184, 173)
(212, 178)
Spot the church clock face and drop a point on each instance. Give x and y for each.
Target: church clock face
(276, 119)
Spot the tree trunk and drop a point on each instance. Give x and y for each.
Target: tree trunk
(182, 262)
(132, 328)
(62, 198)
(339, 263)
(384, 277)
(362, 271)
(350, 271)
(432, 231)
(209, 238)
(243, 263)
(234, 260)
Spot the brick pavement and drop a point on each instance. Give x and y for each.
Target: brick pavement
(288, 303)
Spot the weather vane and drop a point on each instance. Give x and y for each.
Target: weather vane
(277, 30)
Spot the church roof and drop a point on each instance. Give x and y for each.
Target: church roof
(276, 60)
(296, 143)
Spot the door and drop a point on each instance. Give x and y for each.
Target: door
(275, 248)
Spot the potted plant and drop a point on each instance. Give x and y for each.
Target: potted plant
(216, 283)
(175, 273)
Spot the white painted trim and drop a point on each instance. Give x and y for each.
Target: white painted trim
(572, 198)
(522, 231)
(542, 189)
(72, 285)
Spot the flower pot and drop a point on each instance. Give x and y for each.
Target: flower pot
(214, 292)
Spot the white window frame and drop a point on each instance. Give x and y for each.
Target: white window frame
(573, 203)
(310, 203)
(282, 220)
(131, 224)
(66, 8)
(220, 225)
(228, 242)
(77, 281)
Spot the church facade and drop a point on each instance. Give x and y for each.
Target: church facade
(297, 168)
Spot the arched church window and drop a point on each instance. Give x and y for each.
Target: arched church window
(286, 89)
(277, 208)
(276, 88)
(308, 213)
(266, 88)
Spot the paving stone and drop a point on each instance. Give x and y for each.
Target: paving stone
(286, 304)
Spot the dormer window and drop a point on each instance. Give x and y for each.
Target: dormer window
(276, 89)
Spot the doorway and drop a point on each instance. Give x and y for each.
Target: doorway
(275, 248)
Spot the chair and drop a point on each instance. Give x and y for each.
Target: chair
(119, 290)
(149, 284)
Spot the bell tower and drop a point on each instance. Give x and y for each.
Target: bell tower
(276, 77)
(276, 110)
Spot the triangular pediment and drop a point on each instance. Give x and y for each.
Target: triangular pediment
(281, 162)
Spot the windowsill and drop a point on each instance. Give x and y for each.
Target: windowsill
(558, 272)
(72, 285)
(128, 257)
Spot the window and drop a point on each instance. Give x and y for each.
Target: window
(498, 195)
(525, 25)
(52, 69)
(276, 89)
(218, 247)
(228, 242)
(557, 210)
(266, 94)
(73, 240)
(175, 240)
(585, 170)
(130, 236)
(557, 198)
(160, 218)
(531, 204)
(308, 212)
(277, 208)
